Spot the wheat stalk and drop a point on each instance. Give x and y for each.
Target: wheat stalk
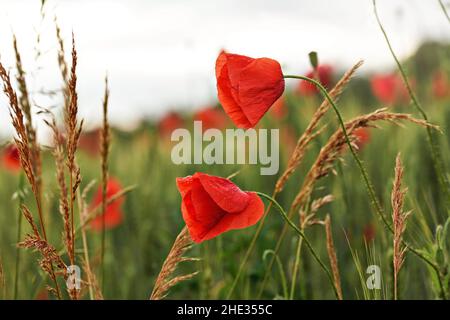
(336, 145)
(332, 256)
(25, 154)
(399, 221)
(165, 279)
(58, 153)
(49, 254)
(73, 131)
(329, 154)
(309, 134)
(105, 145)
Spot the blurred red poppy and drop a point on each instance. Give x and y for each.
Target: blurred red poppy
(90, 142)
(211, 118)
(247, 87)
(213, 205)
(369, 232)
(389, 88)
(362, 136)
(169, 123)
(113, 213)
(11, 158)
(441, 85)
(279, 109)
(325, 75)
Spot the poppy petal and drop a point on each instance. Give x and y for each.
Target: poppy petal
(184, 185)
(224, 193)
(244, 219)
(261, 84)
(252, 213)
(225, 95)
(206, 210)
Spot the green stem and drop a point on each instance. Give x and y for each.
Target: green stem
(281, 271)
(445, 10)
(19, 232)
(249, 251)
(363, 171)
(296, 266)
(301, 234)
(435, 152)
(369, 186)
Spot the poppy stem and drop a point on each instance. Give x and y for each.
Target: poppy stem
(364, 174)
(370, 188)
(249, 251)
(301, 234)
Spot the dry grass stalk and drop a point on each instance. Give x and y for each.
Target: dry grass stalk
(73, 131)
(309, 219)
(105, 145)
(24, 102)
(337, 144)
(309, 134)
(21, 138)
(165, 278)
(59, 156)
(24, 99)
(332, 256)
(92, 282)
(25, 155)
(94, 289)
(399, 221)
(50, 256)
(62, 64)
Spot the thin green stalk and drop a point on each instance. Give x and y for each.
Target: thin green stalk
(369, 186)
(435, 151)
(277, 248)
(444, 10)
(281, 271)
(295, 269)
(301, 234)
(249, 251)
(81, 211)
(19, 232)
(364, 174)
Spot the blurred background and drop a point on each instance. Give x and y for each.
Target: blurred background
(160, 54)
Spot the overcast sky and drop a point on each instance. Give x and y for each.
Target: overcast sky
(160, 54)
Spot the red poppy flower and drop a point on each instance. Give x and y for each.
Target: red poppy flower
(211, 118)
(441, 85)
(325, 74)
(169, 123)
(279, 109)
(389, 88)
(213, 205)
(247, 87)
(11, 158)
(113, 213)
(362, 136)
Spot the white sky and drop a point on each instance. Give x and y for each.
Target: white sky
(160, 54)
